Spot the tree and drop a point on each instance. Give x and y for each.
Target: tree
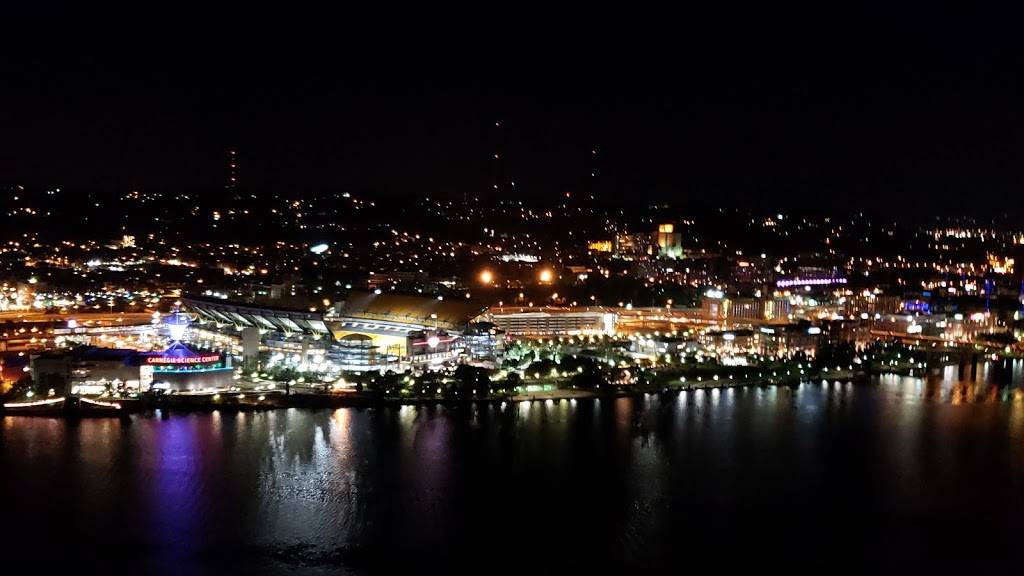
(19, 389)
(427, 384)
(510, 383)
(542, 367)
(472, 380)
(391, 383)
(572, 363)
(589, 375)
(49, 381)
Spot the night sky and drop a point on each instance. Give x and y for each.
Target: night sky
(898, 112)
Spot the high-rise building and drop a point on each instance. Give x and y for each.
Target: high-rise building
(670, 242)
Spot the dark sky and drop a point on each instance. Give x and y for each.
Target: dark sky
(897, 110)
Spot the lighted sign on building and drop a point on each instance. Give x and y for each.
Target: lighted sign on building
(182, 359)
(787, 283)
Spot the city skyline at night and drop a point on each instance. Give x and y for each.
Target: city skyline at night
(318, 292)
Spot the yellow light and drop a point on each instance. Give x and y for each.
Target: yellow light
(98, 403)
(486, 277)
(545, 275)
(35, 403)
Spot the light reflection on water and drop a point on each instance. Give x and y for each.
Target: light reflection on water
(878, 467)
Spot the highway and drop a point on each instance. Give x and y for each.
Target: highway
(83, 318)
(22, 331)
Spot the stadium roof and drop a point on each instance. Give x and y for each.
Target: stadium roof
(242, 315)
(451, 314)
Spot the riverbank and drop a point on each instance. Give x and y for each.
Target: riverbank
(246, 401)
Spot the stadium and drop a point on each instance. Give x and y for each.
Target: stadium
(366, 332)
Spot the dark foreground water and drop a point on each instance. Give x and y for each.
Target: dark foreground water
(896, 475)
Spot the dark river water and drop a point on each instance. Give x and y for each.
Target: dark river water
(898, 474)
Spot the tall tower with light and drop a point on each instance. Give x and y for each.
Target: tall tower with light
(231, 182)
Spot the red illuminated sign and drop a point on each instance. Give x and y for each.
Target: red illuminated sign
(182, 360)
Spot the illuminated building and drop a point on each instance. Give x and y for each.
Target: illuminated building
(717, 306)
(870, 303)
(917, 306)
(232, 317)
(579, 273)
(669, 242)
(431, 345)
(396, 331)
(777, 308)
(178, 368)
(730, 341)
(774, 308)
(358, 353)
(857, 331)
(714, 305)
(90, 370)
(632, 245)
(254, 331)
(746, 309)
(1000, 264)
(87, 370)
(801, 281)
(484, 342)
(367, 331)
(783, 340)
(552, 321)
(518, 257)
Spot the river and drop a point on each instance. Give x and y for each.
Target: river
(899, 473)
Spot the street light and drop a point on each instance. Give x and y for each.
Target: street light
(486, 277)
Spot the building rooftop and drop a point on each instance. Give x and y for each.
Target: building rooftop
(92, 353)
(409, 309)
(175, 350)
